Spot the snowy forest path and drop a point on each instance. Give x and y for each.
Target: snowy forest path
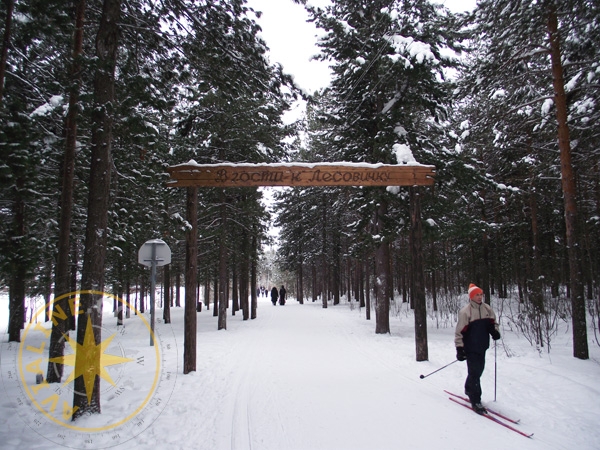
(304, 377)
(299, 376)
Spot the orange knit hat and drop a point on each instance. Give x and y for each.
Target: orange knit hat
(474, 290)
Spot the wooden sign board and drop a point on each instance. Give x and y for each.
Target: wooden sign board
(300, 175)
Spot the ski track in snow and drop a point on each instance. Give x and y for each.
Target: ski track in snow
(302, 377)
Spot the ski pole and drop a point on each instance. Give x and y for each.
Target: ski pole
(443, 367)
(495, 367)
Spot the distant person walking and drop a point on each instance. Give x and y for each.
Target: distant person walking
(282, 292)
(274, 295)
(476, 322)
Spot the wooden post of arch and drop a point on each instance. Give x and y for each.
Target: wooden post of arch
(193, 175)
(191, 270)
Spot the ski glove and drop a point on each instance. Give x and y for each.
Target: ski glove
(495, 334)
(460, 353)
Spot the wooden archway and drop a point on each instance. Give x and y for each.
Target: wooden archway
(192, 175)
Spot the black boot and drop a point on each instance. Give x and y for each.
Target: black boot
(479, 408)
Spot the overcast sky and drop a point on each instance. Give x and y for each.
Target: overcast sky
(292, 40)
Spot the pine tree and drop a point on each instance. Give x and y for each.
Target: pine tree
(542, 54)
(86, 397)
(31, 116)
(388, 64)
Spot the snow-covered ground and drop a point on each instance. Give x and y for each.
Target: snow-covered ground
(302, 377)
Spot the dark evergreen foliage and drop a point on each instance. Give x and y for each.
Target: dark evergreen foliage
(470, 94)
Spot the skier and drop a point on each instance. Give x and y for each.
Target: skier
(282, 292)
(476, 322)
(274, 295)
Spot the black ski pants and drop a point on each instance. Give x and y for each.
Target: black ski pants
(475, 366)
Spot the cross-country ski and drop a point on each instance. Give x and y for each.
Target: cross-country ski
(492, 411)
(492, 418)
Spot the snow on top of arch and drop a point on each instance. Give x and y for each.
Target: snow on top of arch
(403, 154)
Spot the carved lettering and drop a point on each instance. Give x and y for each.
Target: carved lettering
(276, 176)
(342, 174)
(315, 176)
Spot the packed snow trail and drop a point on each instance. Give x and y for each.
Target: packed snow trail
(305, 377)
(301, 377)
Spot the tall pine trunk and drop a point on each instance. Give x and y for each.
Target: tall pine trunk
(382, 273)
(300, 290)
(92, 278)
(416, 235)
(368, 290)
(167, 290)
(235, 301)
(63, 276)
(324, 259)
(16, 293)
(253, 282)
(580, 344)
(244, 273)
(223, 278)
(10, 6)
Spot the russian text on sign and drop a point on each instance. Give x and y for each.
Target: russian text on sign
(322, 174)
